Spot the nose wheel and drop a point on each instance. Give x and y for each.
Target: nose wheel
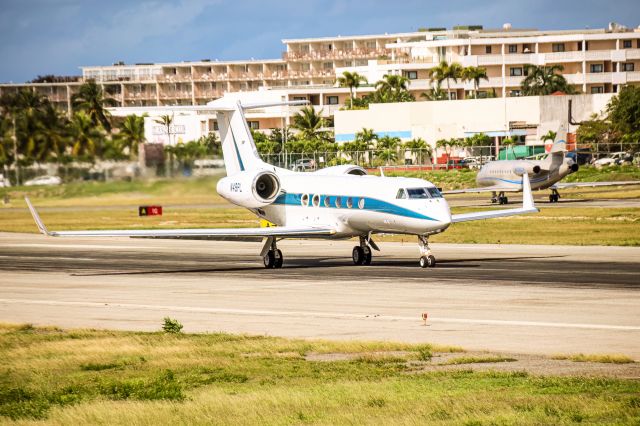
(555, 196)
(427, 260)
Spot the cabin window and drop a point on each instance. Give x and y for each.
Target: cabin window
(316, 200)
(349, 202)
(305, 200)
(361, 203)
(327, 201)
(338, 202)
(401, 194)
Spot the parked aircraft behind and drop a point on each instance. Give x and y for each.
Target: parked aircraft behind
(503, 176)
(335, 202)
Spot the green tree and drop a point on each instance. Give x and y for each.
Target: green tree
(544, 80)
(419, 148)
(623, 112)
(392, 88)
(594, 132)
(549, 136)
(387, 148)
(309, 123)
(90, 99)
(509, 142)
(87, 139)
(351, 80)
(446, 72)
(131, 134)
(434, 94)
(474, 74)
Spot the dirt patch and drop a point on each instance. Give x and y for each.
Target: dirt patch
(533, 364)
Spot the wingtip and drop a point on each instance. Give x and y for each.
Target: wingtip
(36, 217)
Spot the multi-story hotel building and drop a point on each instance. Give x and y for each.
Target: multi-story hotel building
(594, 61)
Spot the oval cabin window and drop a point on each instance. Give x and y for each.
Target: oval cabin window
(305, 200)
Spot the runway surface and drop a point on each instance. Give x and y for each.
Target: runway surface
(522, 299)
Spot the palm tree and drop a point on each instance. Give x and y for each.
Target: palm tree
(434, 94)
(392, 88)
(56, 137)
(309, 123)
(544, 80)
(90, 99)
(387, 147)
(131, 133)
(352, 81)
(417, 147)
(509, 143)
(445, 72)
(86, 137)
(474, 74)
(166, 120)
(549, 136)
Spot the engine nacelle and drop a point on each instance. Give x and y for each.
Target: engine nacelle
(345, 169)
(527, 168)
(250, 189)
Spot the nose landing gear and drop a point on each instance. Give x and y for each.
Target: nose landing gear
(499, 198)
(427, 260)
(554, 197)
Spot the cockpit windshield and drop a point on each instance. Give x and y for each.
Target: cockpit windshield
(423, 193)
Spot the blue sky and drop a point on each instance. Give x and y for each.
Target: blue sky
(58, 36)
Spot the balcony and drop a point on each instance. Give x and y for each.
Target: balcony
(335, 54)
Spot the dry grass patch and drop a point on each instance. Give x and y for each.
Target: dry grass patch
(601, 358)
(477, 360)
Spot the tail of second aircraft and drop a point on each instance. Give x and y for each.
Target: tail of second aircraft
(556, 156)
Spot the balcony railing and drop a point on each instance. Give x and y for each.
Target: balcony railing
(335, 54)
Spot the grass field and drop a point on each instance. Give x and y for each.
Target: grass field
(108, 377)
(194, 203)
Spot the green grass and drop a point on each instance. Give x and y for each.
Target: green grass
(236, 379)
(601, 358)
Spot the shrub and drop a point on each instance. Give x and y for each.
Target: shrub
(171, 325)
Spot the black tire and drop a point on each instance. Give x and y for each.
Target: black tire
(551, 198)
(367, 256)
(431, 261)
(279, 259)
(423, 262)
(357, 255)
(269, 260)
(506, 200)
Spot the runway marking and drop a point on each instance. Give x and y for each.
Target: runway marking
(48, 257)
(334, 315)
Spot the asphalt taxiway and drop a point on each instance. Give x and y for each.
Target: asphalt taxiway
(524, 299)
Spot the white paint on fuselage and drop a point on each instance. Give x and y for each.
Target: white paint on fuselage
(508, 173)
(352, 221)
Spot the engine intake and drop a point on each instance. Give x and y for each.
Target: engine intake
(250, 189)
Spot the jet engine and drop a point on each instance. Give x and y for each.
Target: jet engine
(250, 189)
(528, 168)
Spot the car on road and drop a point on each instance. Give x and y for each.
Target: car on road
(44, 180)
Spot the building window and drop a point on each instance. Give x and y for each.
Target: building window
(627, 66)
(526, 48)
(412, 75)
(255, 125)
(515, 93)
(626, 44)
(371, 45)
(332, 100)
(597, 89)
(515, 72)
(597, 68)
(557, 47)
(513, 48)
(299, 98)
(487, 49)
(327, 65)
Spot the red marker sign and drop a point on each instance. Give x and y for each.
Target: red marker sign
(150, 211)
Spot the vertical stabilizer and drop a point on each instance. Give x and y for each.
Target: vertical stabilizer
(238, 148)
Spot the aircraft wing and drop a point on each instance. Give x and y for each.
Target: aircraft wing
(528, 206)
(565, 185)
(493, 188)
(205, 233)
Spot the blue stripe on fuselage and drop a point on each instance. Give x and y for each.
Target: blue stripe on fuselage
(371, 204)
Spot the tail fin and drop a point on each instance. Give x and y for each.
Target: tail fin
(559, 146)
(238, 148)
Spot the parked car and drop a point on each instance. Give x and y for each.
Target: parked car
(4, 182)
(44, 180)
(581, 156)
(614, 158)
(303, 165)
(636, 159)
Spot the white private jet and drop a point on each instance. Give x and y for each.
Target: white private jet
(502, 176)
(335, 202)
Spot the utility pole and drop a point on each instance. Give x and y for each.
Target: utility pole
(15, 148)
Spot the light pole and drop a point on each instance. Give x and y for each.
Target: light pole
(15, 148)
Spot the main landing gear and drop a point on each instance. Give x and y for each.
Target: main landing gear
(273, 257)
(361, 254)
(554, 197)
(427, 260)
(499, 198)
